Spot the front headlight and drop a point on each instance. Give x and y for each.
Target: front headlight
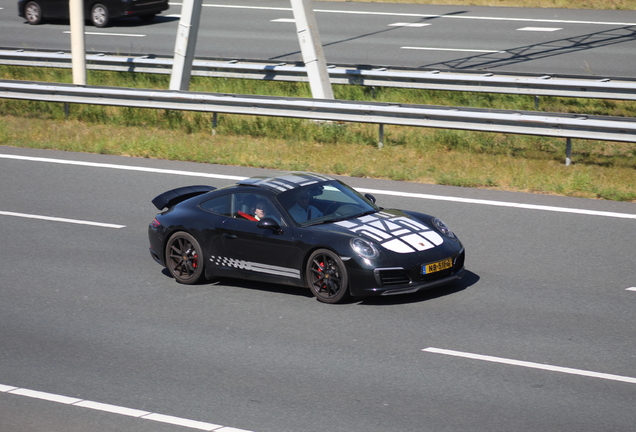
(444, 229)
(364, 248)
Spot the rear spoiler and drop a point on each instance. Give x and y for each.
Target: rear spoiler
(175, 196)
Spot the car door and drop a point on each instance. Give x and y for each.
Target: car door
(259, 253)
(54, 8)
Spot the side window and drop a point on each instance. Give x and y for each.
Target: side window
(220, 205)
(254, 207)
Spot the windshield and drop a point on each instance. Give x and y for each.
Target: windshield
(325, 202)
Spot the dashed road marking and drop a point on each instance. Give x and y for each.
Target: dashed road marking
(115, 409)
(110, 34)
(532, 365)
(539, 29)
(451, 49)
(403, 24)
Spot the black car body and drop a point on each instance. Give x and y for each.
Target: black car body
(348, 247)
(99, 12)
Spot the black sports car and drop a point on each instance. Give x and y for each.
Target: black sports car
(302, 229)
(100, 12)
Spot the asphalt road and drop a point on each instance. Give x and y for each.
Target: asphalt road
(522, 40)
(86, 314)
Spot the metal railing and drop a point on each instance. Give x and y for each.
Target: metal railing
(504, 121)
(470, 81)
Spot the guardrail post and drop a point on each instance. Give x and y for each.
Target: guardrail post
(568, 151)
(214, 123)
(536, 103)
(381, 136)
(67, 110)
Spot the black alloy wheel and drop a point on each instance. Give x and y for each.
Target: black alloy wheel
(327, 277)
(184, 258)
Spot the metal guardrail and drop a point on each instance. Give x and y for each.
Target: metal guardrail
(504, 121)
(539, 85)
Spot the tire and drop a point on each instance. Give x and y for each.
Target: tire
(33, 13)
(184, 258)
(99, 15)
(327, 277)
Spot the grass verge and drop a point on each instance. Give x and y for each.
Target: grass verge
(459, 158)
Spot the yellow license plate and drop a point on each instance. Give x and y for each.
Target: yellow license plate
(437, 266)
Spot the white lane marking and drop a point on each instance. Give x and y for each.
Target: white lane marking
(451, 49)
(284, 20)
(532, 365)
(122, 167)
(115, 409)
(6, 388)
(363, 190)
(416, 15)
(44, 396)
(500, 203)
(539, 29)
(57, 219)
(98, 406)
(194, 424)
(110, 34)
(631, 289)
(404, 24)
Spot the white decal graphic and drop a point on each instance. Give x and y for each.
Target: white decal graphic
(397, 234)
(255, 267)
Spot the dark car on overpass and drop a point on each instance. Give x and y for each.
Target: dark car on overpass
(100, 12)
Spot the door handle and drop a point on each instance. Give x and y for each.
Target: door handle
(230, 236)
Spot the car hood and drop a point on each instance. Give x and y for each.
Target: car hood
(393, 230)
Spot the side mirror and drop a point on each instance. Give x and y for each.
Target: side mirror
(270, 224)
(370, 197)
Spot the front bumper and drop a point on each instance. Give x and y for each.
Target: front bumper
(422, 286)
(406, 280)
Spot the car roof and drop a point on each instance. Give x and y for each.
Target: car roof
(285, 181)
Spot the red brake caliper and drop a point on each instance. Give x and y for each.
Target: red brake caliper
(320, 269)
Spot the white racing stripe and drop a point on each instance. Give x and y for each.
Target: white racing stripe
(532, 365)
(115, 409)
(362, 190)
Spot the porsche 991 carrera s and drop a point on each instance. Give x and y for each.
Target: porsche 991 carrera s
(302, 229)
